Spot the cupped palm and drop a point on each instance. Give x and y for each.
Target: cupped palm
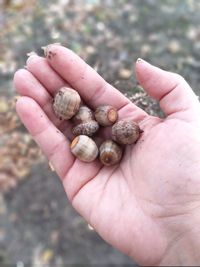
(141, 205)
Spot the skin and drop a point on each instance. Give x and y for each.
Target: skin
(148, 205)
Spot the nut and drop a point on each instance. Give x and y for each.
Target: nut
(84, 122)
(66, 103)
(87, 128)
(106, 115)
(84, 148)
(84, 114)
(125, 132)
(110, 153)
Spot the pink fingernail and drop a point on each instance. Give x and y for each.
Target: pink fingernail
(47, 47)
(32, 53)
(44, 48)
(139, 60)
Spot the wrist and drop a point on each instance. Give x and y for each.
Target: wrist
(183, 250)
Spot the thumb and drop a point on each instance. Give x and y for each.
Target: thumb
(175, 96)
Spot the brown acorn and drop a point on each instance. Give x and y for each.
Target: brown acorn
(106, 115)
(85, 123)
(84, 148)
(66, 103)
(125, 132)
(110, 153)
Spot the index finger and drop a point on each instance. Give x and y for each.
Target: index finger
(91, 86)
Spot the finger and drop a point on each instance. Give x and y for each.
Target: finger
(170, 89)
(52, 142)
(43, 72)
(27, 85)
(144, 121)
(73, 173)
(91, 86)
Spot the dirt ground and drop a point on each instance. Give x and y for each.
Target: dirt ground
(38, 227)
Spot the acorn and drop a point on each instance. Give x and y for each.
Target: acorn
(84, 148)
(106, 115)
(125, 132)
(85, 123)
(84, 114)
(66, 103)
(110, 153)
(87, 128)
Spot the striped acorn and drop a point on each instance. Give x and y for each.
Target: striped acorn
(110, 153)
(84, 148)
(66, 103)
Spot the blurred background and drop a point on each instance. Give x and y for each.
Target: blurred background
(38, 227)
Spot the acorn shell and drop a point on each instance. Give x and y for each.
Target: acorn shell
(125, 132)
(87, 128)
(106, 115)
(110, 153)
(84, 148)
(66, 103)
(84, 114)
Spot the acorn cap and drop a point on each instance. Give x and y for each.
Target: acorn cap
(88, 128)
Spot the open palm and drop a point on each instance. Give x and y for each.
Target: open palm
(141, 205)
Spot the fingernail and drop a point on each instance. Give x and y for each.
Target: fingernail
(139, 60)
(30, 56)
(56, 43)
(29, 59)
(45, 48)
(32, 53)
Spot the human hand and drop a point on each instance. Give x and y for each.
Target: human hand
(147, 206)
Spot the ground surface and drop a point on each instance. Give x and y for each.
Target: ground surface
(37, 224)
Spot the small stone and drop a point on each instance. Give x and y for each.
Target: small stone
(174, 47)
(145, 49)
(90, 49)
(100, 26)
(47, 256)
(4, 107)
(55, 237)
(125, 74)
